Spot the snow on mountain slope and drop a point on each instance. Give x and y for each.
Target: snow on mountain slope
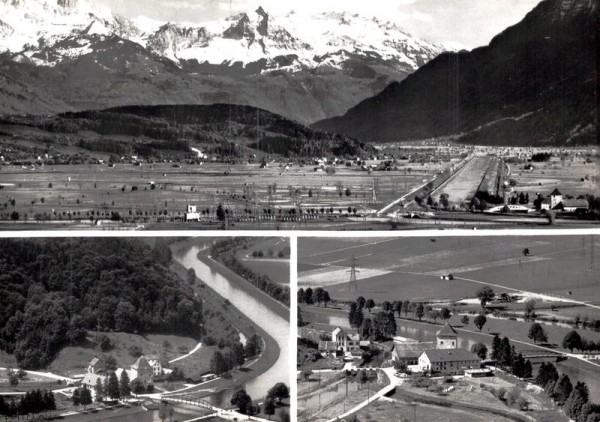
(36, 29)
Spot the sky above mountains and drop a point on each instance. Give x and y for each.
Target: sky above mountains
(453, 23)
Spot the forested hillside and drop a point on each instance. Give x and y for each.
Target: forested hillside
(53, 290)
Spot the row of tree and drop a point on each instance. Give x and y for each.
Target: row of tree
(225, 250)
(32, 402)
(310, 296)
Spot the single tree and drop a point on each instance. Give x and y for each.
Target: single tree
(99, 390)
(124, 389)
(445, 313)
(269, 407)
(279, 392)
(562, 389)
(420, 311)
(480, 350)
(85, 396)
(76, 397)
(242, 400)
(113, 390)
(479, 321)
(464, 320)
(572, 340)
(530, 308)
(369, 304)
(537, 333)
(485, 295)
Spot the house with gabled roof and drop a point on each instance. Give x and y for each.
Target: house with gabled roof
(95, 366)
(448, 361)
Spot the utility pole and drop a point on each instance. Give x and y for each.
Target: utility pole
(353, 286)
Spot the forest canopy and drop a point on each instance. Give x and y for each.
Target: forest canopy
(53, 290)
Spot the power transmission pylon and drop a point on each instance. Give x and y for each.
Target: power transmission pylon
(353, 286)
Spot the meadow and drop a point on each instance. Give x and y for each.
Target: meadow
(564, 267)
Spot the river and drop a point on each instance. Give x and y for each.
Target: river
(576, 369)
(276, 326)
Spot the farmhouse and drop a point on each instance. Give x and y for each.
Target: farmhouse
(407, 351)
(342, 342)
(155, 362)
(573, 205)
(555, 201)
(448, 361)
(141, 370)
(95, 366)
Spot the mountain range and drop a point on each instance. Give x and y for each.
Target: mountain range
(68, 55)
(534, 84)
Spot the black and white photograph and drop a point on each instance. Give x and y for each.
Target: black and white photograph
(424, 174)
(312, 115)
(145, 329)
(453, 329)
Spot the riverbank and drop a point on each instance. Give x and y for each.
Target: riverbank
(217, 389)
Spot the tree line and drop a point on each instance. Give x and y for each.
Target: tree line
(310, 296)
(33, 402)
(225, 250)
(574, 399)
(53, 290)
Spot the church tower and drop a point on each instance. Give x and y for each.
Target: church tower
(447, 338)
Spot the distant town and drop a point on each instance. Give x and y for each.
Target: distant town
(404, 186)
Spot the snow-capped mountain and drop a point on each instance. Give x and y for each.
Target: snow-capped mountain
(31, 27)
(315, 55)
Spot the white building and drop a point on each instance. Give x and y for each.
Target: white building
(447, 338)
(192, 213)
(448, 361)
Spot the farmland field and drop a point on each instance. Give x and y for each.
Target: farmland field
(275, 261)
(574, 176)
(403, 268)
(127, 189)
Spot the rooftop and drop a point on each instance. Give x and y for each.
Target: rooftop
(447, 331)
(450, 355)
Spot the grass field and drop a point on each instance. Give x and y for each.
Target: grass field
(275, 262)
(555, 266)
(74, 360)
(99, 188)
(573, 176)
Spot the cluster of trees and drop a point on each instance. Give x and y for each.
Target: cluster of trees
(310, 296)
(574, 399)
(112, 388)
(223, 362)
(243, 401)
(519, 198)
(379, 327)
(33, 402)
(225, 250)
(507, 357)
(53, 290)
(574, 341)
(539, 157)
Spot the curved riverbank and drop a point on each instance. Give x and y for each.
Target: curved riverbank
(252, 307)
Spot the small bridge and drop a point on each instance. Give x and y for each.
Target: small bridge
(189, 400)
